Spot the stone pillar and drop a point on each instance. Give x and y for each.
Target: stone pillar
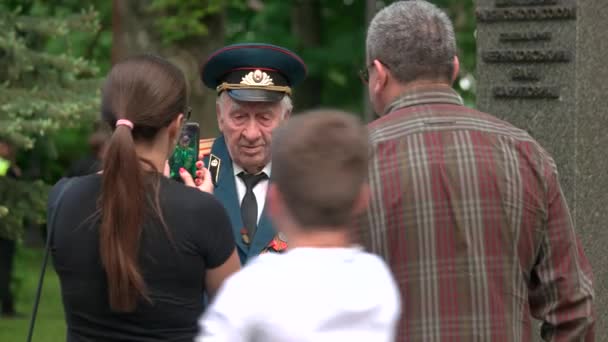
(542, 65)
(591, 174)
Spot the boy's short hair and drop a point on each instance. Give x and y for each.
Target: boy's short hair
(319, 163)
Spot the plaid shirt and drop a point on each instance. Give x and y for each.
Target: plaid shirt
(469, 213)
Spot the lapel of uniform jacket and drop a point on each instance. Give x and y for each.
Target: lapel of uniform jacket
(225, 190)
(263, 235)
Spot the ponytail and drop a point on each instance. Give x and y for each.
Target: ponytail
(152, 92)
(122, 204)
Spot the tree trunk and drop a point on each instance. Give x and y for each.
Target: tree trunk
(306, 26)
(134, 32)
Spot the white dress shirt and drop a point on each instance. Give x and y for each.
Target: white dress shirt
(259, 190)
(313, 295)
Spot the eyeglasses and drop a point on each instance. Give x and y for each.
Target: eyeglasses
(188, 112)
(364, 73)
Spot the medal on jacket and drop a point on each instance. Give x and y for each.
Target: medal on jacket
(245, 236)
(277, 245)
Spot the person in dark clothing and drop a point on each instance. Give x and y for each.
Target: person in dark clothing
(91, 163)
(7, 244)
(136, 251)
(7, 256)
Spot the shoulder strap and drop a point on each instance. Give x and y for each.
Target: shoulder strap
(50, 224)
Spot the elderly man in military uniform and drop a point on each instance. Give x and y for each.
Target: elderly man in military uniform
(254, 86)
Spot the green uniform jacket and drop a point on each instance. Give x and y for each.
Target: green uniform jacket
(220, 166)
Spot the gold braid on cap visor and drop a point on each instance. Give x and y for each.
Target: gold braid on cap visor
(226, 86)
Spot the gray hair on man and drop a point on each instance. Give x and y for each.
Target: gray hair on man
(414, 39)
(224, 100)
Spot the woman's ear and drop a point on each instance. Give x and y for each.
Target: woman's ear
(175, 127)
(362, 200)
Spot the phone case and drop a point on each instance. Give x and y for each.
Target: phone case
(186, 152)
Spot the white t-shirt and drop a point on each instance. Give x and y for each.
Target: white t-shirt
(306, 294)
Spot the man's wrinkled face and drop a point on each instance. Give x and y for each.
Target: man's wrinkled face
(247, 128)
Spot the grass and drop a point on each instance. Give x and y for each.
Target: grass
(50, 323)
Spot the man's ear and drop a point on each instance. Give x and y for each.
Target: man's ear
(218, 113)
(382, 75)
(362, 200)
(287, 115)
(456, 69)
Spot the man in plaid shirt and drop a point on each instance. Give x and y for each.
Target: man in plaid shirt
(466, 209)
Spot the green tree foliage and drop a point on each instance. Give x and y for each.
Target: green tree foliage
(336, 60)
(184, 19)
(340, 55)
(41, 91)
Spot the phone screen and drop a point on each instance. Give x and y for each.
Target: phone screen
(185, 154)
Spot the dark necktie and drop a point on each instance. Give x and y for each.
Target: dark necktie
(249, 205)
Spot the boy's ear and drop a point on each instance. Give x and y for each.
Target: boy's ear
(273, 199)
(362, 200)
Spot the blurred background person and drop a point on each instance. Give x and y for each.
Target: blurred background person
(8, 160)
(8, 168)
(92, 162)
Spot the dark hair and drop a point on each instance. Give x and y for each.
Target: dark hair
(150, 92)
(99, 138)
(319, 163)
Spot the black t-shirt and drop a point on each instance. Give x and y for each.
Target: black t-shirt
(84, 166)
(173, 270)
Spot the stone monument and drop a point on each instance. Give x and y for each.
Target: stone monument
(543, 66)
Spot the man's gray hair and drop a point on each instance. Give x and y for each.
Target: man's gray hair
(414, 40)
(286, 103)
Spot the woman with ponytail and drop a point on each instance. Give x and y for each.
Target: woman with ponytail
(134, 250)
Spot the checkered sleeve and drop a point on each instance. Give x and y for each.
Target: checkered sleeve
(561, 285)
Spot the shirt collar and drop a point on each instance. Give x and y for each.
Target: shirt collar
(426, 94)
(237, 169)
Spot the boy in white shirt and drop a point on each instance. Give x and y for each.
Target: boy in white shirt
(323, 288)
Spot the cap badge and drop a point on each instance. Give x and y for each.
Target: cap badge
(257, 78)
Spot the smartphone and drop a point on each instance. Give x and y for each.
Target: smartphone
(185, 154)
